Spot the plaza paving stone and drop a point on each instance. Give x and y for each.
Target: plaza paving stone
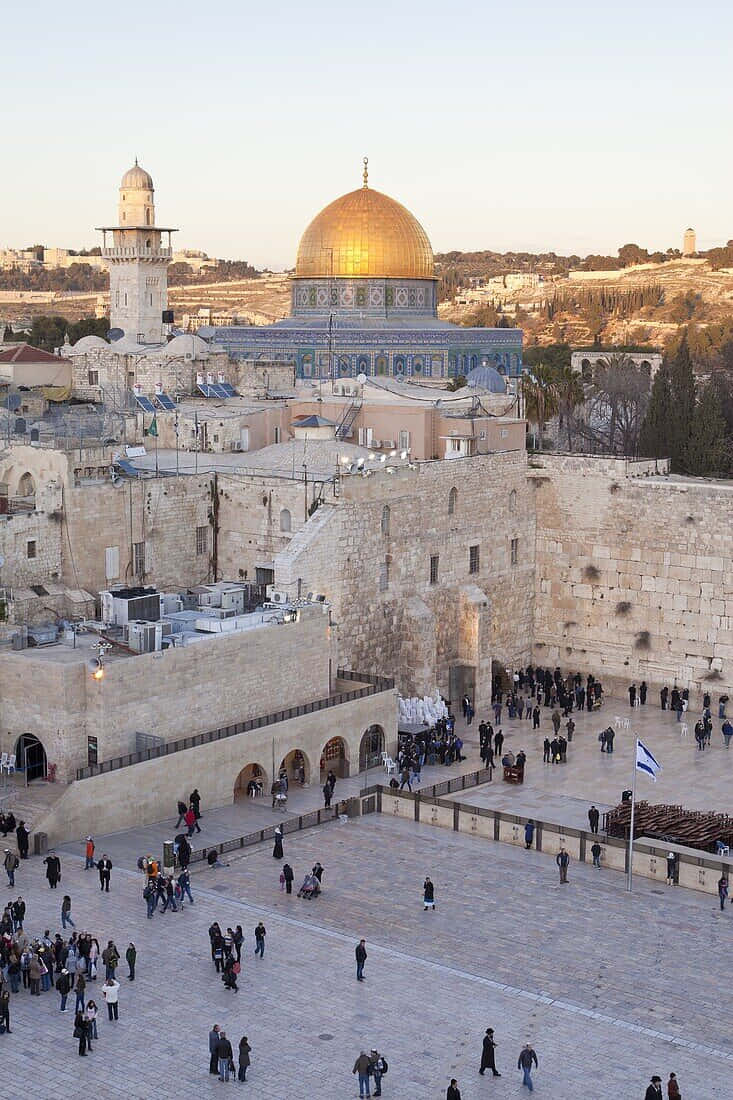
(609, 987)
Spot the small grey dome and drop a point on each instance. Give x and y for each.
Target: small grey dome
(486, 378)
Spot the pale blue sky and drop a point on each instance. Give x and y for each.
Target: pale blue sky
(572, 126)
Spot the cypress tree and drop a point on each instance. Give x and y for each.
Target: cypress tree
(656, 437)
(706, 452)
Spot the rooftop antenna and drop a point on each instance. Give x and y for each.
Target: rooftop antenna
(365, 176)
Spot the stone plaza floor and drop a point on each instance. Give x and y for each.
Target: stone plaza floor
(609, 987)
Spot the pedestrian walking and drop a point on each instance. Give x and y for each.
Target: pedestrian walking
(89, 854)
(182, 808)
(673, 1089)
(130, 959)
(546, 751)
(361, 1066)
(224, 1056)
(327, 795)
(632, 695)
(527, 1058)
(91, 1015)
(66, 912)
(722, 891)
(184, 883)
(190, 819)
(428, 894)
(361, 957)
(593, 816)
(277, 851)
(488, 1056)
(53, 870)
(405, 779)
(111, 992)
(528, 834)
(260, 933)
(596, 853)
(453, 1093)
(244, 1053)
(654, 1090)
(642, 692)
(5, 1012)
(105, 869)
(288, 875)
(194, 800)
(562, 859)
(536, 718)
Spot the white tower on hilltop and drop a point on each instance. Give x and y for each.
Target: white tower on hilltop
(138, 262)
(689, 244)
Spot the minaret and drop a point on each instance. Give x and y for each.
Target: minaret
(138, 262)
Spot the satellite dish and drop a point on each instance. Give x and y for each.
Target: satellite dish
(361, 379)
(115, 334)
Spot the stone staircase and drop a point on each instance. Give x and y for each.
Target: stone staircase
(29, 803)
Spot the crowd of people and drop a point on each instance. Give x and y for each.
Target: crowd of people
(41, 964)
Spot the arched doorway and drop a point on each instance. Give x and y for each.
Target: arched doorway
(371, 748)
(251, 782)
(335, 758)
(292, 764)
(30, 756)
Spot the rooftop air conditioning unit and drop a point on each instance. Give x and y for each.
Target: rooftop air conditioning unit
(144, 637)
(233, 599)
(339, 389)
(236, 445)
(387, 444)
(277, 597)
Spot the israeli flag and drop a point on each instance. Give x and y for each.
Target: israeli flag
(645, 762)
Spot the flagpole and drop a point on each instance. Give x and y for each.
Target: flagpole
(631, 828)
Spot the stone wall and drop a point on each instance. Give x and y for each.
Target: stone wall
(162, 513)
(388, 616)
(171, 694)
(634, 573)
(148, 792)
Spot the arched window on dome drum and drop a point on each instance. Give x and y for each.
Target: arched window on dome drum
(452, 501)
(363, 365)
(399, 364)
(147, 218)
(473, 362)
(385, 520)
(285, 520)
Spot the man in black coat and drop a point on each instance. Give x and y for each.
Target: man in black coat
(22, 835)
(53, 870)
(487, 1053)
(593, 816)
(361, 957)
(224, 1056)
(654, 1090)
(453, 1093)
(104, 867)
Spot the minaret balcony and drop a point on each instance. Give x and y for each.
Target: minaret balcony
(134, 252)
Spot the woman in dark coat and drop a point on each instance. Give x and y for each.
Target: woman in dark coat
(244, 1049)
(288, 876)
(277, 851)
(81, 1031)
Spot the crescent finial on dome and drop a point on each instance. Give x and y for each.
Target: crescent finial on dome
(366, 172)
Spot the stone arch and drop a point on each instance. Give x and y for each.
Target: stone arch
(26, 486)
(251, 772)
(30, 757)
(286, 520)
(292, 762)
(371, 747)
(452, 501)
(399, 364)
(335, 757)
(586, 370)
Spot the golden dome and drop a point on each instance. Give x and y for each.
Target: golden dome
(365, 233)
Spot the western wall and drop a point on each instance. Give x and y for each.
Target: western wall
(634, 573)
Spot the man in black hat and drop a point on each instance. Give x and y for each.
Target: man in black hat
(487, 1053)
(654, 1090)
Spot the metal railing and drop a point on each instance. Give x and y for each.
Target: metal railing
(374, 685)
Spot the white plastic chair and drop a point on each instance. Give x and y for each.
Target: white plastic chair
(626, 723)
(618, 721)
(3, 762)
(11, 763)
(683, 729)
(389, 765)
